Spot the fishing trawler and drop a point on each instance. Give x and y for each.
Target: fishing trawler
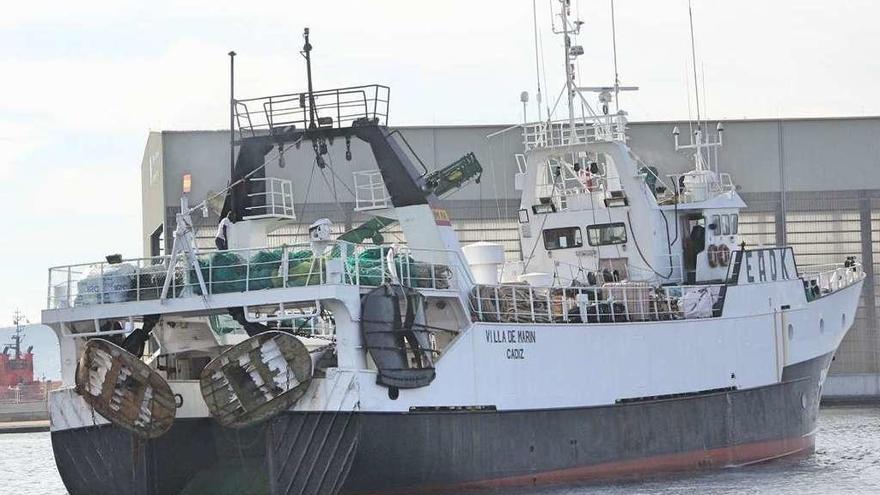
(638, 334)
(22, 397)
(16, 364)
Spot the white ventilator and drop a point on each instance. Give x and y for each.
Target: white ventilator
(485, 260)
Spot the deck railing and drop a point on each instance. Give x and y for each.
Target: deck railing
(27, 392)
(601, 128)
(245, 270)
(331, 108)
(610, 303)
(821, 280)
(696, 186)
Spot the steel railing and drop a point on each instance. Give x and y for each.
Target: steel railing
(245, 270)
(820, 280)
(565, 133)
(333, 108)
(708, 184)
(609, 303)
(27, 392)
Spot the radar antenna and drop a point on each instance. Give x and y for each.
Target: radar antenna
(605, 93)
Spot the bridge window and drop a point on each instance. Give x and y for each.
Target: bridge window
(734, 224)
(606, 233)
(564, 238)
(725, 224)
(716, 224)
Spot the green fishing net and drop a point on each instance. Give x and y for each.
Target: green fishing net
(265, 270)
(303, 268)
(226, 272)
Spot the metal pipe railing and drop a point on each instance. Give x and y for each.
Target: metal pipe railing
(611, 303)
(346, 105)
(244, 270)
(831, 277)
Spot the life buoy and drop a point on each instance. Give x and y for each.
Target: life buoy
(712, 254)
(723, 255)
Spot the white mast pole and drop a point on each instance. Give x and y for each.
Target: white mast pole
(569, 75)
(537, 58)
(614, 47)
(699, 160)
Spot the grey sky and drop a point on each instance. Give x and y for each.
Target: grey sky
(83, 83)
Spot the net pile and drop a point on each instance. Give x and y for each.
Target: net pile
(370, 268)
(225, 273)
(106, 284)
(265, 270)
(304, 268)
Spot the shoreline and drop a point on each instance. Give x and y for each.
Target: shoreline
(24, 426)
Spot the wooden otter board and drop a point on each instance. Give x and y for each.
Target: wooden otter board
(256, 379)
(124, 389)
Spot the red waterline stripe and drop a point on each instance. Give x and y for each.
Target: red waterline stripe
(738, 455)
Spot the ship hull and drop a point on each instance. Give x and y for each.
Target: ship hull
(442, 450)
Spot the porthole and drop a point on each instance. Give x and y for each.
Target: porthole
(803, 401)
(790, 331)
(393, 393)
(821, 325)
(843, 321)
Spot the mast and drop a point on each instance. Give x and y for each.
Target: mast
(614, 48)
(537, 57)
(306, 52)
(572, 28)
(17, 318)
(569, 67)
(699, 141)
(699, 132)
(232, 125)
(694, 59)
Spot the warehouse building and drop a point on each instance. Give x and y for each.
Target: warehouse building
(813, 184)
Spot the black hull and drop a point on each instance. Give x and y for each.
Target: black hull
(305, 453)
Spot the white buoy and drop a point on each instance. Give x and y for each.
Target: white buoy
(485, 260)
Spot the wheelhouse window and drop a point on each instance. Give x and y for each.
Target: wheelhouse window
(716, 224)
(725, 224)
(564, 238)
(734, 224)
(606, 233)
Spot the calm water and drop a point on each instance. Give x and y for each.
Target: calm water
(847, 460)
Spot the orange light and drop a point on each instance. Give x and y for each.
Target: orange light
(187, 183)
